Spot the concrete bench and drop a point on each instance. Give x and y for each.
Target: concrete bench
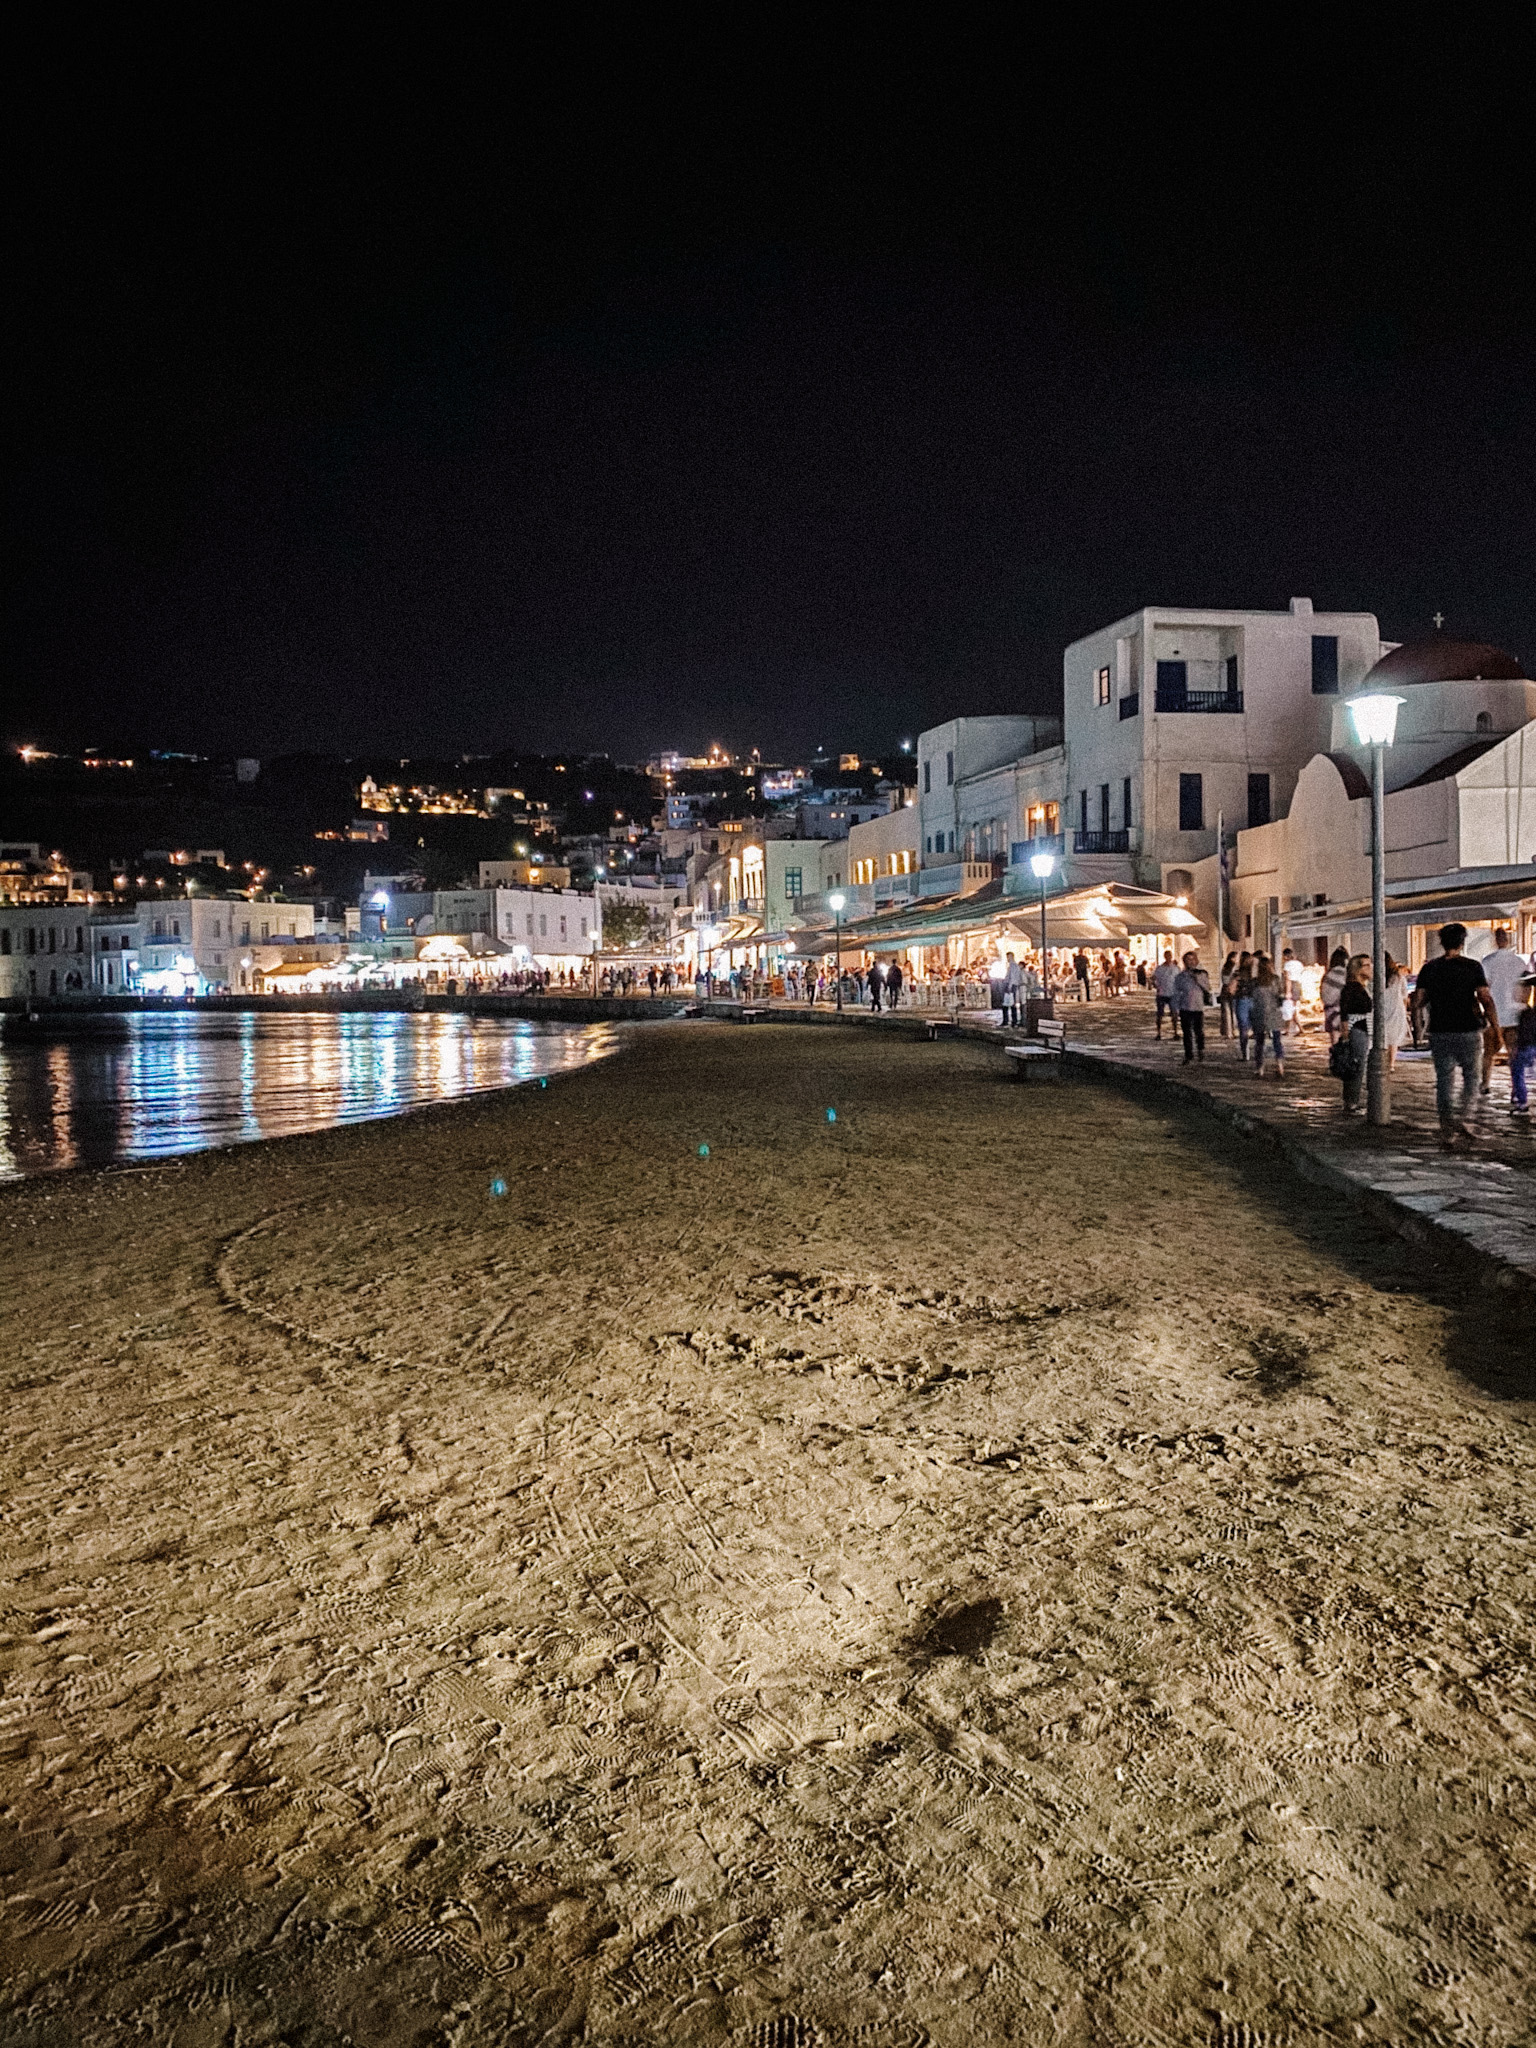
(942, 1027)
(1039, 1059)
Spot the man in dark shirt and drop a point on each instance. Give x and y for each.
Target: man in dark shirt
(1454, 990)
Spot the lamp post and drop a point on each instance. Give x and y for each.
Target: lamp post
(836, 902)
(1043, 866)
(1375, 722)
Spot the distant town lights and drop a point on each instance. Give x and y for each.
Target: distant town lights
(1374, 718)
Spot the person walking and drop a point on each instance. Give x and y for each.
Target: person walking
(1013, 992)
(1395, 1023)
(1080, 967)
(1191, 993)
(1225, 993)
(875, 984)
(1522, 1054)
(1332, 989)
(1264, 1013)
(1242, 1003)
(893, 981)
(1505, 972)
(1164, 975)
(1291, 988)
(1454, 990)
(1354, 1031)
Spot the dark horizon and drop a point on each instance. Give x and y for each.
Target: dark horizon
(754, 393)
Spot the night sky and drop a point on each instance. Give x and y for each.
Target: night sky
(649, 389)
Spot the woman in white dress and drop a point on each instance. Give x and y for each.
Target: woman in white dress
(1395, 1018)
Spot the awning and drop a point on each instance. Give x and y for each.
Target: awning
(1436, 905)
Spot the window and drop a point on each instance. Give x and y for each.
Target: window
(927, 778)
(1191, 803)
(1485, 721)
(5, 940)
(1258, 800)
(583, 927)
(1229, 669)
(1082, 810)
(949, 765)
(1103, 806)
(543, 925)
(1101, 686)
(175, 927)
(530, 924)
(215, 927)
(266, 928)
(1125, 803)
(1325, 664)
(562, 927)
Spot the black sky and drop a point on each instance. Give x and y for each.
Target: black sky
(644, 388)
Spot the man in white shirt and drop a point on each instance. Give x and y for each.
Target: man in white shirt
(1290, 975)
(1163, 977)
(1505, 970)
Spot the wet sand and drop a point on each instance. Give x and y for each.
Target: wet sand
(1003, 1566)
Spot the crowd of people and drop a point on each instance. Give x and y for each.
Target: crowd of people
(1472, 1013)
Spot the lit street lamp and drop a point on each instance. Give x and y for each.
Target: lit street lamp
(836, 903)
(1043, 866)
(1375, 721)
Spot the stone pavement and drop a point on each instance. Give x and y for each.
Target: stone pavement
(1484, 1201)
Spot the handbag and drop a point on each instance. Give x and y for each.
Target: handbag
(1340, 1060)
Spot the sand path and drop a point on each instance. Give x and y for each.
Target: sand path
(996, 1567)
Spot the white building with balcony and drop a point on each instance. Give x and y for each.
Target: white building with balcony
(1177, 714)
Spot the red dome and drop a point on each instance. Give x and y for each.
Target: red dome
(1438, 660)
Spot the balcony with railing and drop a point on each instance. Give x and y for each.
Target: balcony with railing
(1173, 697)
(1130, 706)
(1102, 842)
(1022, 851)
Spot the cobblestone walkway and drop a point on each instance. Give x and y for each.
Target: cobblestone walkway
(1486, 1199)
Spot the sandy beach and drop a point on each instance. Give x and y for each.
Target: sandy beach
(1003, 1565)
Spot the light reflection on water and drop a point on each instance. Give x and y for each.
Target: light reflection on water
(93, 1091)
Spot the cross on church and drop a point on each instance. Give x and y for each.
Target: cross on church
(1439, 620)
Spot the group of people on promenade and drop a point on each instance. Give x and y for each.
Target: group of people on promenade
(1476, 1013)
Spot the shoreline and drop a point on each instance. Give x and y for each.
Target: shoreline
(840, 1582)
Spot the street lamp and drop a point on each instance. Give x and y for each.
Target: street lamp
(1043, 866)
(1375, 721)
(835, 904)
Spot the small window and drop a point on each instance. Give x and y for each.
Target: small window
(1082, 810)
(1485, 721)
(949, 765)
(792, 885)
(1125, 803)
(1325, 664)
(927, 778)
(543, 925)
(1229, 669)
(1101, 687)
(1258, 800)
(1191, 803)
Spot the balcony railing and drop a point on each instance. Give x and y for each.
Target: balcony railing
(1102, 842)
(1023, 851)
(1129, 706)
(1199, 700)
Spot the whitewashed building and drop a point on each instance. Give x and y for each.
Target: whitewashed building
(1460, 826)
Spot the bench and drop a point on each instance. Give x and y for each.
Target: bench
(1039, 1059)
(943, 1027)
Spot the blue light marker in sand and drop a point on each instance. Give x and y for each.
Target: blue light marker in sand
(831, 1116)
(498, 1187)
(703, 1151)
